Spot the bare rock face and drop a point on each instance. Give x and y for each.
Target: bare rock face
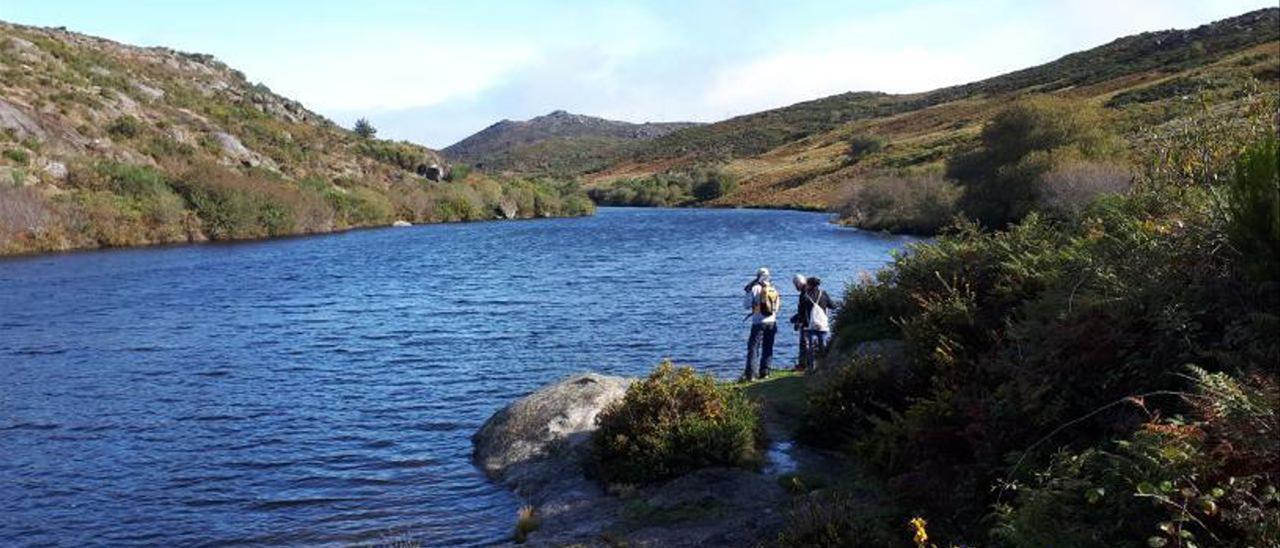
(541, 438)
(13, 118)
(235, 150)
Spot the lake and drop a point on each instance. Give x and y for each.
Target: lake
(323, 390)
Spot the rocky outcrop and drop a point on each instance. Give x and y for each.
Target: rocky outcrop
(541, 437)
(537, 445)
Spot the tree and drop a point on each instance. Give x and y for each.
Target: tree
(1002, 177)
(364, 129)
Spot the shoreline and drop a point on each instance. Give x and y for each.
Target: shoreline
(239, 241)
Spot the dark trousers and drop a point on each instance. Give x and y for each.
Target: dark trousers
(761, 338)
(815, 345)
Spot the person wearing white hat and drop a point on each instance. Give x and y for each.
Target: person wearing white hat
(763, 300)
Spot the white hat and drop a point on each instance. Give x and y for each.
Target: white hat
(763, 273)
(798, 279)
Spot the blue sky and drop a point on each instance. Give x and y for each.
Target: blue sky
(434, 72)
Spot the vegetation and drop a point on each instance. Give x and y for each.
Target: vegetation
(920, 204)
(675, 188)
(527, 521)
(817, 152)
(673, 422)
(143, 146)
(1004, 177)
(364, 129)
(1100, 376)
(861, 146)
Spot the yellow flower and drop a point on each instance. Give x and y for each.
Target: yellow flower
(922, 536)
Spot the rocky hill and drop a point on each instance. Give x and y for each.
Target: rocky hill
(799, 156)
(106, 144)
(559, 142)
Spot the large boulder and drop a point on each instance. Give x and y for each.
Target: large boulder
(541, 438)
(536, 447)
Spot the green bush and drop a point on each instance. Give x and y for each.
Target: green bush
(126, 127)
(861, 146)
(1019, 344)
(458, 173)
(710, 184)
(673, 422)
(17, 155)
(902, 204)
(1206, 479)
(364, 129)
(1253, 206)
(1001, 178)
(672, 188)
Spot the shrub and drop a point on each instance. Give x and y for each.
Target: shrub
(1001, 178)
(364, 129)
(1069, 188)
(711, 184)
(400, 155)
(861, 146)
(1253, 207)
(17, 155)
(527, 521)
(1208, 479)
(1019, 344)
(24, 213)
(458, 173)
(920, 204)
(672, 188)
(673, 422)
(361, 206)
(837, 518)
(126, 127)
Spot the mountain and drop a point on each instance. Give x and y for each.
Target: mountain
(106, 144)
(559, 142)
(798, 156)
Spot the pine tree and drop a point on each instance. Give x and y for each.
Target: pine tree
(364, 129)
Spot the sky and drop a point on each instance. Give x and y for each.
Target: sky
(435, 72)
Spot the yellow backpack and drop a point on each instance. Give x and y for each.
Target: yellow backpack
(770, 301)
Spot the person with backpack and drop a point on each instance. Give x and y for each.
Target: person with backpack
(763, 300)
(814, 310)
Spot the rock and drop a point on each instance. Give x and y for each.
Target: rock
(26, 127)
(536, 446)
(149, 92)
(235, 150)
(401, 224)
(540, 438)
(57, 170)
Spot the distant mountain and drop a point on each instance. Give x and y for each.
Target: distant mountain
(107, 144)
(559, 142)
(798, 155)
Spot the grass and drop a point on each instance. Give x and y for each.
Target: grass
(782, 396)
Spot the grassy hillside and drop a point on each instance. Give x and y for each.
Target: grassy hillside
(803, 155)
(104, 144)
(558, 143)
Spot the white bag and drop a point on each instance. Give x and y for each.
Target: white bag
(818, 319)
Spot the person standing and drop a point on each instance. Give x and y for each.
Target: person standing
(763, 300)
(815, 310)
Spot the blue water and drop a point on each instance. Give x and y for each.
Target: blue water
(323, 390)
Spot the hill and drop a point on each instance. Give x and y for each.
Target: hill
(558, 142)
(799, 156)
(106, 144)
